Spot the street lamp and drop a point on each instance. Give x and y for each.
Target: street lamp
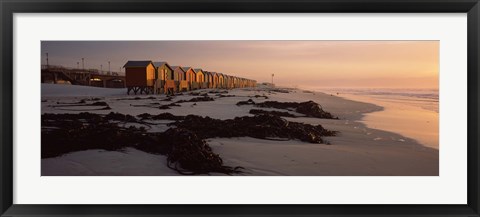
(83, 63)
(109, 72)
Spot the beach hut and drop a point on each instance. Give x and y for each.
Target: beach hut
(215, 80)
(228, 81)
(221, 80)
(235, 82)
(225, 81)
(208, 79)
(190, 77)
(163, 73)
(179, 78)
(201, 78)
(140, 76)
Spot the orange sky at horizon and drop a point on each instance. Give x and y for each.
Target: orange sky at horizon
(305, 64)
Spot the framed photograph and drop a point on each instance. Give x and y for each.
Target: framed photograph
(199, 108)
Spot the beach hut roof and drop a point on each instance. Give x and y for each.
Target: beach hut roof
(159, 64)
(135, 63)
(187, 68)
(175, 67)
(197, 70)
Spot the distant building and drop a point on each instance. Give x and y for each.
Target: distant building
(267, 84)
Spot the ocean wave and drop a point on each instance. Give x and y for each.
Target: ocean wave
(425, 98)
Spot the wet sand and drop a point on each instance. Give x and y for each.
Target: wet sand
(408, 120)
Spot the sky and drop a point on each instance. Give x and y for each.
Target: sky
(303, 64)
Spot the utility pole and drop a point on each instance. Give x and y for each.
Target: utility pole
(101, 69)
(109, 72)
(272, 78)
(83, 63)
(47, 61)
(78, 65)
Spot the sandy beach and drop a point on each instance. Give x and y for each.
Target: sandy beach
(366, 144)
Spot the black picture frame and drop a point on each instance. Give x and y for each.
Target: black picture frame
(9, 7)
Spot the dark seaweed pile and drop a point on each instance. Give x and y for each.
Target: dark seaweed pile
(259, 126)
(197, 99)
(82, 103)
(309, 108)
(162, 116)
(185, 146)
(276, 113)
(186, 152)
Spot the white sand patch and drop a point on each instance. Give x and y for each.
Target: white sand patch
(106, 163)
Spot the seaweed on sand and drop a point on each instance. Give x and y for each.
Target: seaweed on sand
(169, 106)
(223, 95)
(186, 152)
(260, 126)
(156, 105)
(197, 99)
(137, 98)
(309, 108)
(276, 113)
(162, 116)
(185, 146)
(218, 91)
(81, 103)
(279, 90)
(247, 102)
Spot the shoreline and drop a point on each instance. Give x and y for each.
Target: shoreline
(410, 121)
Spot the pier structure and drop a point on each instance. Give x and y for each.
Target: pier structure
(86, 77)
